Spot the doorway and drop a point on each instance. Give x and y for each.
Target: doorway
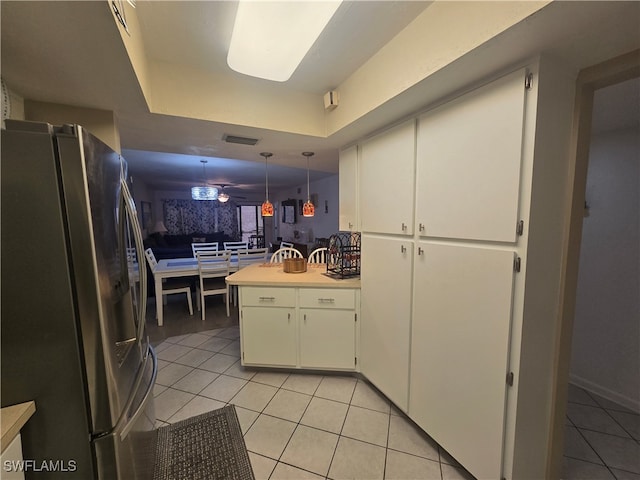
(590, 80)
(604, 375)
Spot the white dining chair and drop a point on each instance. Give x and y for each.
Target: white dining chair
(283, 253)
(204, 247)
(319, 255)
(170, 285)
(213, 268)
(252, 256)
(235, 246)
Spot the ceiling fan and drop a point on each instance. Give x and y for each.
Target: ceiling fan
(223, 196)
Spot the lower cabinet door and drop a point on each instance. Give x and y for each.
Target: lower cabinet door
(327, 339)
(268, 336)
(385, 329)
(460, 350)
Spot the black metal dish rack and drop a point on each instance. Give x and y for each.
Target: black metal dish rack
(343, 255)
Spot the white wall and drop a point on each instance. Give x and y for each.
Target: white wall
(322, 224)
(606, 345)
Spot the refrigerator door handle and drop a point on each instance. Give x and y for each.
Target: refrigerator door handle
(141, 407)
(129, 204)
(125, 422)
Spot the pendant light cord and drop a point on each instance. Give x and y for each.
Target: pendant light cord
(308, 154)
(308, 194)
(266, 170)
(266, 156)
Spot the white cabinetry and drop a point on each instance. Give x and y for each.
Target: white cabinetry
(269, 326)
(459, 350)
(327, 339)
(299, 327)
(455, 284)
(387, 177)
(386, 315)
(468, 161)
(327, 328)
(348, 190)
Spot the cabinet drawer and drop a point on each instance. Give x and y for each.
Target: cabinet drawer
(268, 297)
(327, 298)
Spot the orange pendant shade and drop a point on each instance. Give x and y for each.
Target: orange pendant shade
(308, 209)
(267, 209)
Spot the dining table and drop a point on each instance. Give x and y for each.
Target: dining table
(178, 267)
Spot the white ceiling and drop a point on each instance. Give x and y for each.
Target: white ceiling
(70, 53)
(166, 151)
(197, 34)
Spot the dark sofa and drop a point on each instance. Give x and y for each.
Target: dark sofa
(179, 246)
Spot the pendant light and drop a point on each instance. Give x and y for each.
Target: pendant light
(223, 197)
(205, 192)
(308, 209)
(267, 206)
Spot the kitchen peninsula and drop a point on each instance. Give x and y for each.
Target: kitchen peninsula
(297, 320)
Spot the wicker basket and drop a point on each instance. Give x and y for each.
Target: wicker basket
(294, 265)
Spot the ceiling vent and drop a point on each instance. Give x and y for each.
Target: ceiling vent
(239, 140)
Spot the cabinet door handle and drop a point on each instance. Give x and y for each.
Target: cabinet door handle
(267, 299)
(403, 249)
(421, 227)
(420, 251)
(350, 225)
(305, 318)
(404, 227)
(326, 300)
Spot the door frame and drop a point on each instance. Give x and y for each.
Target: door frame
(610, 72)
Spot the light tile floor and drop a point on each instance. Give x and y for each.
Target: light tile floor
(295, 425)
(300, 426)
(602, 439)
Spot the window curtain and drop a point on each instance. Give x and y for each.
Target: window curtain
(184, 217)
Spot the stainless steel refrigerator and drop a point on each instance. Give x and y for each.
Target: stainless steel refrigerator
(72, 325)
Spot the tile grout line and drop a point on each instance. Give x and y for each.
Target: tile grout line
(386, 450)
(278, 460)
(591, 446)
(298, 424)
(341, 428)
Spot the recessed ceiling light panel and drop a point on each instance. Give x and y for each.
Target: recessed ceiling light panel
(270, 39)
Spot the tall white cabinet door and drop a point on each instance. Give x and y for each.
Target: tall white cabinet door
(459, 351)
(327, 338)
(468, 163)
(385, 306)
(268, 336)
(387, 176)
(348, 190)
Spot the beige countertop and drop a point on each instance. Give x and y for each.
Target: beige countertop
(271, 274)
(12, 419)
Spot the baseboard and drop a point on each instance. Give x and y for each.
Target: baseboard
(604, 392)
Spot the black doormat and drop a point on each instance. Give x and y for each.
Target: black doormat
(208, 446)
